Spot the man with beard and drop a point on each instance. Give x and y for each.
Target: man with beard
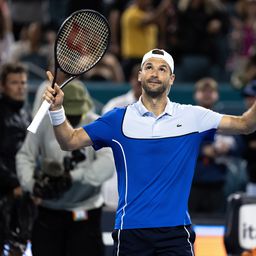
(14, 118)
(155, 144)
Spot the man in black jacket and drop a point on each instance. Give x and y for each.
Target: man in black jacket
(14, 119)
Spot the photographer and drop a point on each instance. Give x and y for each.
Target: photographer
(67, 185)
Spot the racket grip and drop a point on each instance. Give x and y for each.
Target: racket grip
(39, 117)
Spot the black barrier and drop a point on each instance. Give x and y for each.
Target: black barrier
(240, 226)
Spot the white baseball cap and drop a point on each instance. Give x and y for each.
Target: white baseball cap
(161, 54)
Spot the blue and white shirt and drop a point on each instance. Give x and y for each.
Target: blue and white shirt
(155, 159)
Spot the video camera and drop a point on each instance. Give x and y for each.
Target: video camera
(55, 179)
(70, 162)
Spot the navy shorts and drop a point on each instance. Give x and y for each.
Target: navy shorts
(164, 241)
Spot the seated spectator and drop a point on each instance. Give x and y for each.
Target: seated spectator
(202, 30)
(108, 69)
(243, 34)
(207, 193)
(245, 73)
(25, 12)
(32, 50)
(128, 98)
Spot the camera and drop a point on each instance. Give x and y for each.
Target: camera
(77, 156)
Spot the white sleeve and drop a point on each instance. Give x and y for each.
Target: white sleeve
(206, 119)
(26, 161)
(100, 170)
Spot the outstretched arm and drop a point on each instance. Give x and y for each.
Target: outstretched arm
(68, 137)
(244, 124)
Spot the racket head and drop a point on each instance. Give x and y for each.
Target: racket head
(81, 42)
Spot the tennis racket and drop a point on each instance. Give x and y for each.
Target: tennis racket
(81, 42)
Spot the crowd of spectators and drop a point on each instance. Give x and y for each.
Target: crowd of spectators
(212, 42)
(206, 37)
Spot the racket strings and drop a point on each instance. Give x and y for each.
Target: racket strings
(82, 42)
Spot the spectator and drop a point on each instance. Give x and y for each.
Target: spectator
(14, 119)
(242, 37)
(108, 69)
(207, 193)
(245, 73)
(6, 35)
(115, 13)
(130, 97)
(249, 93)
(139, 27)
(33, 51)
(69, 218)
(24, 12)
(202, 30)
(115, 10)
(61, 77)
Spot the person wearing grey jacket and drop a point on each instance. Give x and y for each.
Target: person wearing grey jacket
(68, 224)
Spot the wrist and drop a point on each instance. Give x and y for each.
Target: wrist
(55, 108)
(57, 116)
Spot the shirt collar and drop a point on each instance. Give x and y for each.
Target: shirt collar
(143, 110)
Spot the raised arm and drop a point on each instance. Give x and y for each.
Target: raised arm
(68, 137)
(244, 124)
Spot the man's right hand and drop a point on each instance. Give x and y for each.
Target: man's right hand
(53, 95)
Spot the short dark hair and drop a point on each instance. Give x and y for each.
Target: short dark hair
(8, 68)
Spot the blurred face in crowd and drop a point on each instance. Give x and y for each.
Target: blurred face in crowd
(156, 77)
(206, 97)
(15, 86)
(34, 32)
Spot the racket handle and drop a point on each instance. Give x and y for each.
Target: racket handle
(39, 116)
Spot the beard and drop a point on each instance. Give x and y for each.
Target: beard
(154, 92)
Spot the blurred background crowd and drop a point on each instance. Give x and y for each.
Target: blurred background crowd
(206, 37)
(213, 43)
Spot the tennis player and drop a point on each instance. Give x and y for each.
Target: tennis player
(155, 144)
